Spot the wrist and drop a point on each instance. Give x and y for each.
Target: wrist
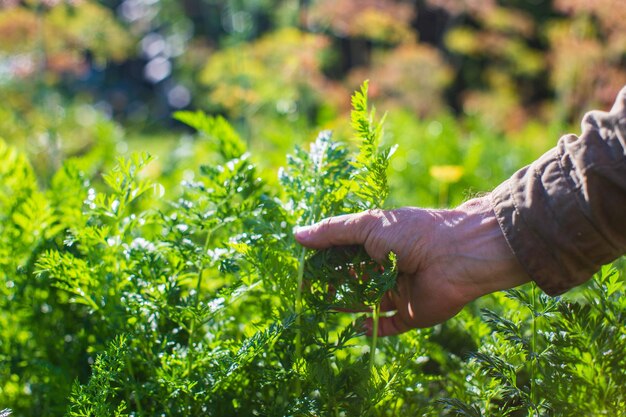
(486, 262)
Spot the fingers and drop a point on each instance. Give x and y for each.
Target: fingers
(387, 326)
(349, 229)
(388, 302)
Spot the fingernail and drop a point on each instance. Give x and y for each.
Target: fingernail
(302, 232)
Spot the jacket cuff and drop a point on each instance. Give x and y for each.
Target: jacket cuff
(563, 215)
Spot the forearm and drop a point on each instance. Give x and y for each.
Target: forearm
(564, 215)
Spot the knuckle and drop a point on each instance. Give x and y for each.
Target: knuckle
(373, 214)
(325, 224)
(371, 219)
(369, 233)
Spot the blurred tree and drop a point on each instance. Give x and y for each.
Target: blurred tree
(279, 73)
(357, 27)
(411, 76)
(502, 68)
(506, 61)
(58, 37)
(596, 31)
(45, 44)
(385, 21)
(519, 60)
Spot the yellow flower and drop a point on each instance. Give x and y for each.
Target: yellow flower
(448, 174)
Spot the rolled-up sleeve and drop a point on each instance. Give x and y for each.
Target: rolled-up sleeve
(564, 215)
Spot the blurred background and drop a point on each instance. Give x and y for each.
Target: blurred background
(474, 88)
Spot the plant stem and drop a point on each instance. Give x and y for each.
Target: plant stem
(201, 267)
(375, 318)
(192, 326)
(298, 311)
(299, 303)
(533, 349)
(298, 307)
(137, 402)
(443, 194)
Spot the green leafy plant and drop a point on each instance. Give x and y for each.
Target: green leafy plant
(122, 296)
(550, 356)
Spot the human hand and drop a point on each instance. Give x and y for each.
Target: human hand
(445, 258)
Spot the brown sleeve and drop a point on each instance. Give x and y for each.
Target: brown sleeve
(564, 215)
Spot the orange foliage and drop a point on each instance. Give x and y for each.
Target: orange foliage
(66, 62)
(18, 29)
(278, 71)
(507, 21)
(590, 76)
(610, 13)
(411, 76)
(5, 4)
(379, 20)
(58, 36)
(463, 6)
(500, 107)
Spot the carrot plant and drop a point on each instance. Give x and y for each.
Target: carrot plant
(550, 356)
(124, 295)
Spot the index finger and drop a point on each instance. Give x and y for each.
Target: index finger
(348, 229)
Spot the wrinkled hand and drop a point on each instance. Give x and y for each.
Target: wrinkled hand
(446, 258)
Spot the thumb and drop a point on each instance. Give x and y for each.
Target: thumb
(349, 229)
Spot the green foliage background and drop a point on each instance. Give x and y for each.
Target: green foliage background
(171, 284)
